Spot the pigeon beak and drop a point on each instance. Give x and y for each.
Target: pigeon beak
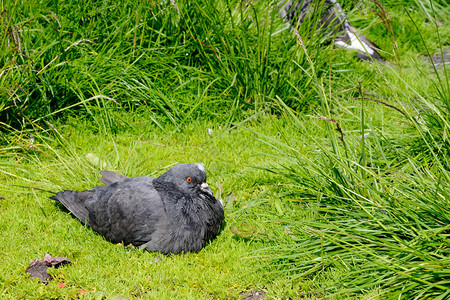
(205, 188)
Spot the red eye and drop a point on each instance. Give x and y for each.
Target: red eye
(189, 179)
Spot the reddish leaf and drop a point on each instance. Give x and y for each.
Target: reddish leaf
(38, 267)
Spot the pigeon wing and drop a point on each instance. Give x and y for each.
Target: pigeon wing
(109, 177)
(128, 211)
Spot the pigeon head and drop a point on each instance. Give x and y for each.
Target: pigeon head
(189, 178)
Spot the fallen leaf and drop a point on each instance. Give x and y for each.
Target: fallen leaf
(55, 261)
(229, 200)
(96, 161)
(38, 267)
(253, 295)
(244, 231)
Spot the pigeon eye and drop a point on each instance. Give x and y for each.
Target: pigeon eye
(189, 179)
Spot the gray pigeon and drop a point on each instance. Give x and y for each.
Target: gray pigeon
(332, 22)
(174, 213)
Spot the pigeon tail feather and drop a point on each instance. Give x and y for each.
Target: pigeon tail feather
(75, 202)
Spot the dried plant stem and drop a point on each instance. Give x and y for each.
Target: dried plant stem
(384, 103)
(338, 127)
(65, 50)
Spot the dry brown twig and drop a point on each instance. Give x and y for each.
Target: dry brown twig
(338, 127)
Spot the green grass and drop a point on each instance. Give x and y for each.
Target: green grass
(35, 225)
(313, 210)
